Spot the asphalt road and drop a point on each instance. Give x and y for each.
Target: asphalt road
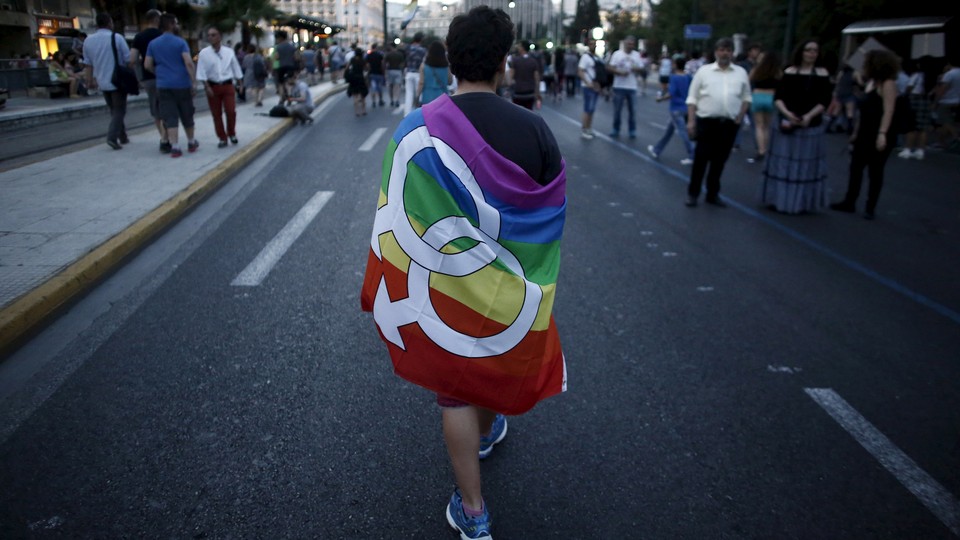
(733, 373)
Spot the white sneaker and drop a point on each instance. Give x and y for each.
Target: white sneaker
(905, 154)
(686, 161)
(586, 134)
(918, 153)
(652, 152)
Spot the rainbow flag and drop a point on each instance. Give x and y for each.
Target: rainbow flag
(463, 265)
(409, 11)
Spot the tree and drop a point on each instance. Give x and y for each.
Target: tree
(765, 21)
(586, 18)
(226, 14)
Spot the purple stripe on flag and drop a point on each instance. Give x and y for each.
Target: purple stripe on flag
(496, 174)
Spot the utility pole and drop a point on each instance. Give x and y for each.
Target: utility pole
(386, 33)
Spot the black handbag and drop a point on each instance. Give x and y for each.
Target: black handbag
(124, 78)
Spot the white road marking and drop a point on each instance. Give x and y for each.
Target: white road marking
(669, 254)
(257, 270)
(646, 233)
(626, 214)
(372, 140)
(783, 369)
(934, 496)
(705, 288)
(658, 126)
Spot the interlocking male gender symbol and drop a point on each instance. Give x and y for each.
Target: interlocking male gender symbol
(426, 257)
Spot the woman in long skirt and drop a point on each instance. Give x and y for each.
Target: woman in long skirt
(795, 172)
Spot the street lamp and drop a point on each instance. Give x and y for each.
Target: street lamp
(597, 33)
(512, 4)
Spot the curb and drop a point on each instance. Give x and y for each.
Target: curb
(38, 305)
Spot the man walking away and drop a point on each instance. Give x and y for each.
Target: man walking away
(168, 57)
(288, 60)
(719, 96)
(147, 79)
(376, 75)
(98, 56)
(217, 68)
(337, 61)
(415, 55)
(525, 77)
(395, 61)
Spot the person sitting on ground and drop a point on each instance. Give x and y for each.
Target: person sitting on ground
(299, 100)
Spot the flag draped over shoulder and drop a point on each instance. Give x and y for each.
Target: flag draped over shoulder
(463, 265)
(409, 11)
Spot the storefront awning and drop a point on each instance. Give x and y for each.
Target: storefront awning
(910, 24)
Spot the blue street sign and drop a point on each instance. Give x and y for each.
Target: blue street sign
(697, 31)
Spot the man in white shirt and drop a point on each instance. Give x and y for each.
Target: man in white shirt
(217, 68)
(719, 96)
(587, 71)
(98, 55)
(625, 64)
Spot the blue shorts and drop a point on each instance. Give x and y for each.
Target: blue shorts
(376, 83)
(589, 100)
(762, 102)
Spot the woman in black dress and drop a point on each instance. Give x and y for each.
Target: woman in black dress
(870, 146)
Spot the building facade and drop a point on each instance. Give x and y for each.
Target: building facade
(362, 20)
(534, 18)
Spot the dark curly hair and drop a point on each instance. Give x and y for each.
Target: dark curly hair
(881, 65)
(477, 43)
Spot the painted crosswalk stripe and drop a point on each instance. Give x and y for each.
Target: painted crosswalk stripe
(257, 270)
(933, 495)
(372, 140)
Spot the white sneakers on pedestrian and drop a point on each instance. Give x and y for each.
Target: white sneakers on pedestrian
(686, 161)
(906, 153)
(653, 151)
(586, 133)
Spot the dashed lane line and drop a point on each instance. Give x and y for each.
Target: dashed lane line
(933, 495)
(372, 140)
(260, 267)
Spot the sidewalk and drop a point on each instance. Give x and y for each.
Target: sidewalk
(68, 221)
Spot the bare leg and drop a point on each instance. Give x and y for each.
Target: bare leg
(189, 131)
(761, 122)
(160, 129)
(587, 120)
(173, 135)
(462, 427)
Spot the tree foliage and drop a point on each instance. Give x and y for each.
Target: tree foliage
(586, 18)
(227, 14)
(765, 21)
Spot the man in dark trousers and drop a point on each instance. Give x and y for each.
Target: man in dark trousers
(98, 56)
(147, 79)
(719, 96)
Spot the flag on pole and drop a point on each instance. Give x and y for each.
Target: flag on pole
(463, 265)
(408, 13)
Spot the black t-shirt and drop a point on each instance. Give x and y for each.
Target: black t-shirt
(375, 60)
(527, 141)
(140, 43)
(395, 59)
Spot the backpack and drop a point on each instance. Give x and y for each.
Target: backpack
(337, 54)
(279, 111)
(602, 76)
(259, 69)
